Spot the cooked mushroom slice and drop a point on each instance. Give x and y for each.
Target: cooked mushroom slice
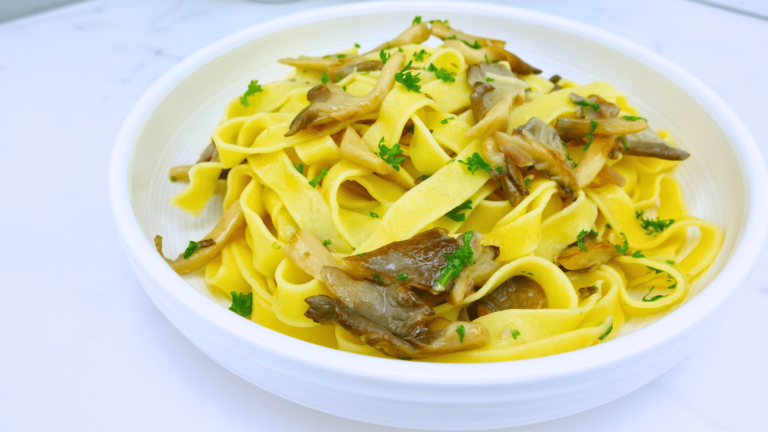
(353, 148)
(306, 251)
(587, 292)
(594, 160)
(209, 154)
(608, 175)
(325, 310)
(347, 66)
(586, 107)
(537, 144)
(494, 90)
(329, 102)
(597, 253)
(413, 35)
(518, 292)
(570, 129)
(477, 273)
(221, 234)
(480, 50)
(555, 79)
(395, 307)
(421, 259)
(649, 144)
(311, 63)
(507, 174)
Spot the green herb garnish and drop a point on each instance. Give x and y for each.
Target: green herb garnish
(670, 262)
(384, 56)
(407, 79)
(623, 248)
(416, 20)
(378, 280)
(242, 304)
(299, 167)
(655, 269)
(391, 155)
(192, 248)
(253, 88)
(446, 120)
(585, 103)
(441, 73)
(633, 118)
(654, 298)
(419, 56)
(460, 217)
(624, 142)
(341, 56)
(515, 334)
(637, 254)
(173, 178)
(314, 182)
(580, 237)
(653, 226)
(460, 331)
(593, 125)
(324, 78)
(476, 162)
(610, 329)
(357, 45)
(373, 215)
(327, 242)
(457, 261)
(489, 79)
(526, 182)
(572, 161)
(402, 277)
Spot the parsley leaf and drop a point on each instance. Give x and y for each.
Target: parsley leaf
(327, 242)
(625, 247)
(593, 125)
(384, 56)
(441, 73)
(446, 120)
(402, 277)
(314, 182)
(607, 332)
(670, 262)
(416, 20)
(373, 215)
(585, 103)
(654, 298)
(654, 226)
(608, 226)
(572, 161)
(378, 280)
(476, 162)
(357, 45)
(527, 182)
(173, 178)
(406, 358)
(407, 79)
(341, 56)
(192, 248)
(242, 304)
(489, 79)
(456, 262)
(580, 237)
(515, 334)
(299, 167)
(633, 118)
(460, 331)
(460, 217)
(638, 254)
(656, 270)
(624, 142)
(391, 155)
(324, 78)
(253, 87)
(419, 56)
(475, 45)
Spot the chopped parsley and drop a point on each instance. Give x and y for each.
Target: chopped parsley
(527, 181)
(624, 142)
(580, 237)
(670, 262)
(253, 88)
(314, 182)
(633, 118)
(637, 254)
(654, 298)
(344, 88)
(476, 45)
(515, 334)
(593, 125)
(573, 162)
(452, 160)
(623, 248)
(192, 248)
(607, 332)
(391, 155)
(425, 176)
(419, 56)
(378, 280)
(653, 226)
(341, 56)
(460, 331)
(608, 226)
(242, 304)
(173, 178)
(324, 78)
(455, 214)
(446, 120)
(655, 269)
(457, 261)
(499, 171)
(585, 103)
(406, 358)
(276, 246)
(373, 215)
(327, 242)
(402, 277)
(489, 79)
(408, 79)
(444, 22)
(673, 286)
(486, 59)
(416, 20)
(528, 273)
(441, 73)
(476, 162)
(384, 56)
(299, 167)
(357, 45)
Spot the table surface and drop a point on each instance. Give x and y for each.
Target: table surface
(84, 348)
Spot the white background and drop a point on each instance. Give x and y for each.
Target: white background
(83, 348)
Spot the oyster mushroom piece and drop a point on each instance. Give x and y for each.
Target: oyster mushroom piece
(537, 144)
(491, 101)
(598, 252)
(353, 148)
(608, 175)
(394, 307)
(586, 109)
(507, 174)
(594, 160)
(347, 66)
(444, 32)
(477, 273)
(570, 129)
(325, 310)
(518, 292)
(311, 63)
(421, 258)
(648, 143)
(329, 102)
(306, 251)
(413, 35)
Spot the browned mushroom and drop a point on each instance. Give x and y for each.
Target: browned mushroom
(537, 144)
(599, 148)
(477, 273)
(586, 107)
(418, 261)
(608, 175)
(648, 143)
(353, 148)
(597, 253)
(306, 251)
(347, 66)
(518, 292)
(494, 90)
(587, 292)
(507, 174)
(312, 63)
(415, 34)
(570, 129)
(220, 236)
(325, 310)
(330, 103)
(555, 79)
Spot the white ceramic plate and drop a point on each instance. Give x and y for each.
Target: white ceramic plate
(173, 121)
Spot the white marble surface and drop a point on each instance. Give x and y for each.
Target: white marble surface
(83, 348)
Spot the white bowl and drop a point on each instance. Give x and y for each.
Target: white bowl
(173, 121)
